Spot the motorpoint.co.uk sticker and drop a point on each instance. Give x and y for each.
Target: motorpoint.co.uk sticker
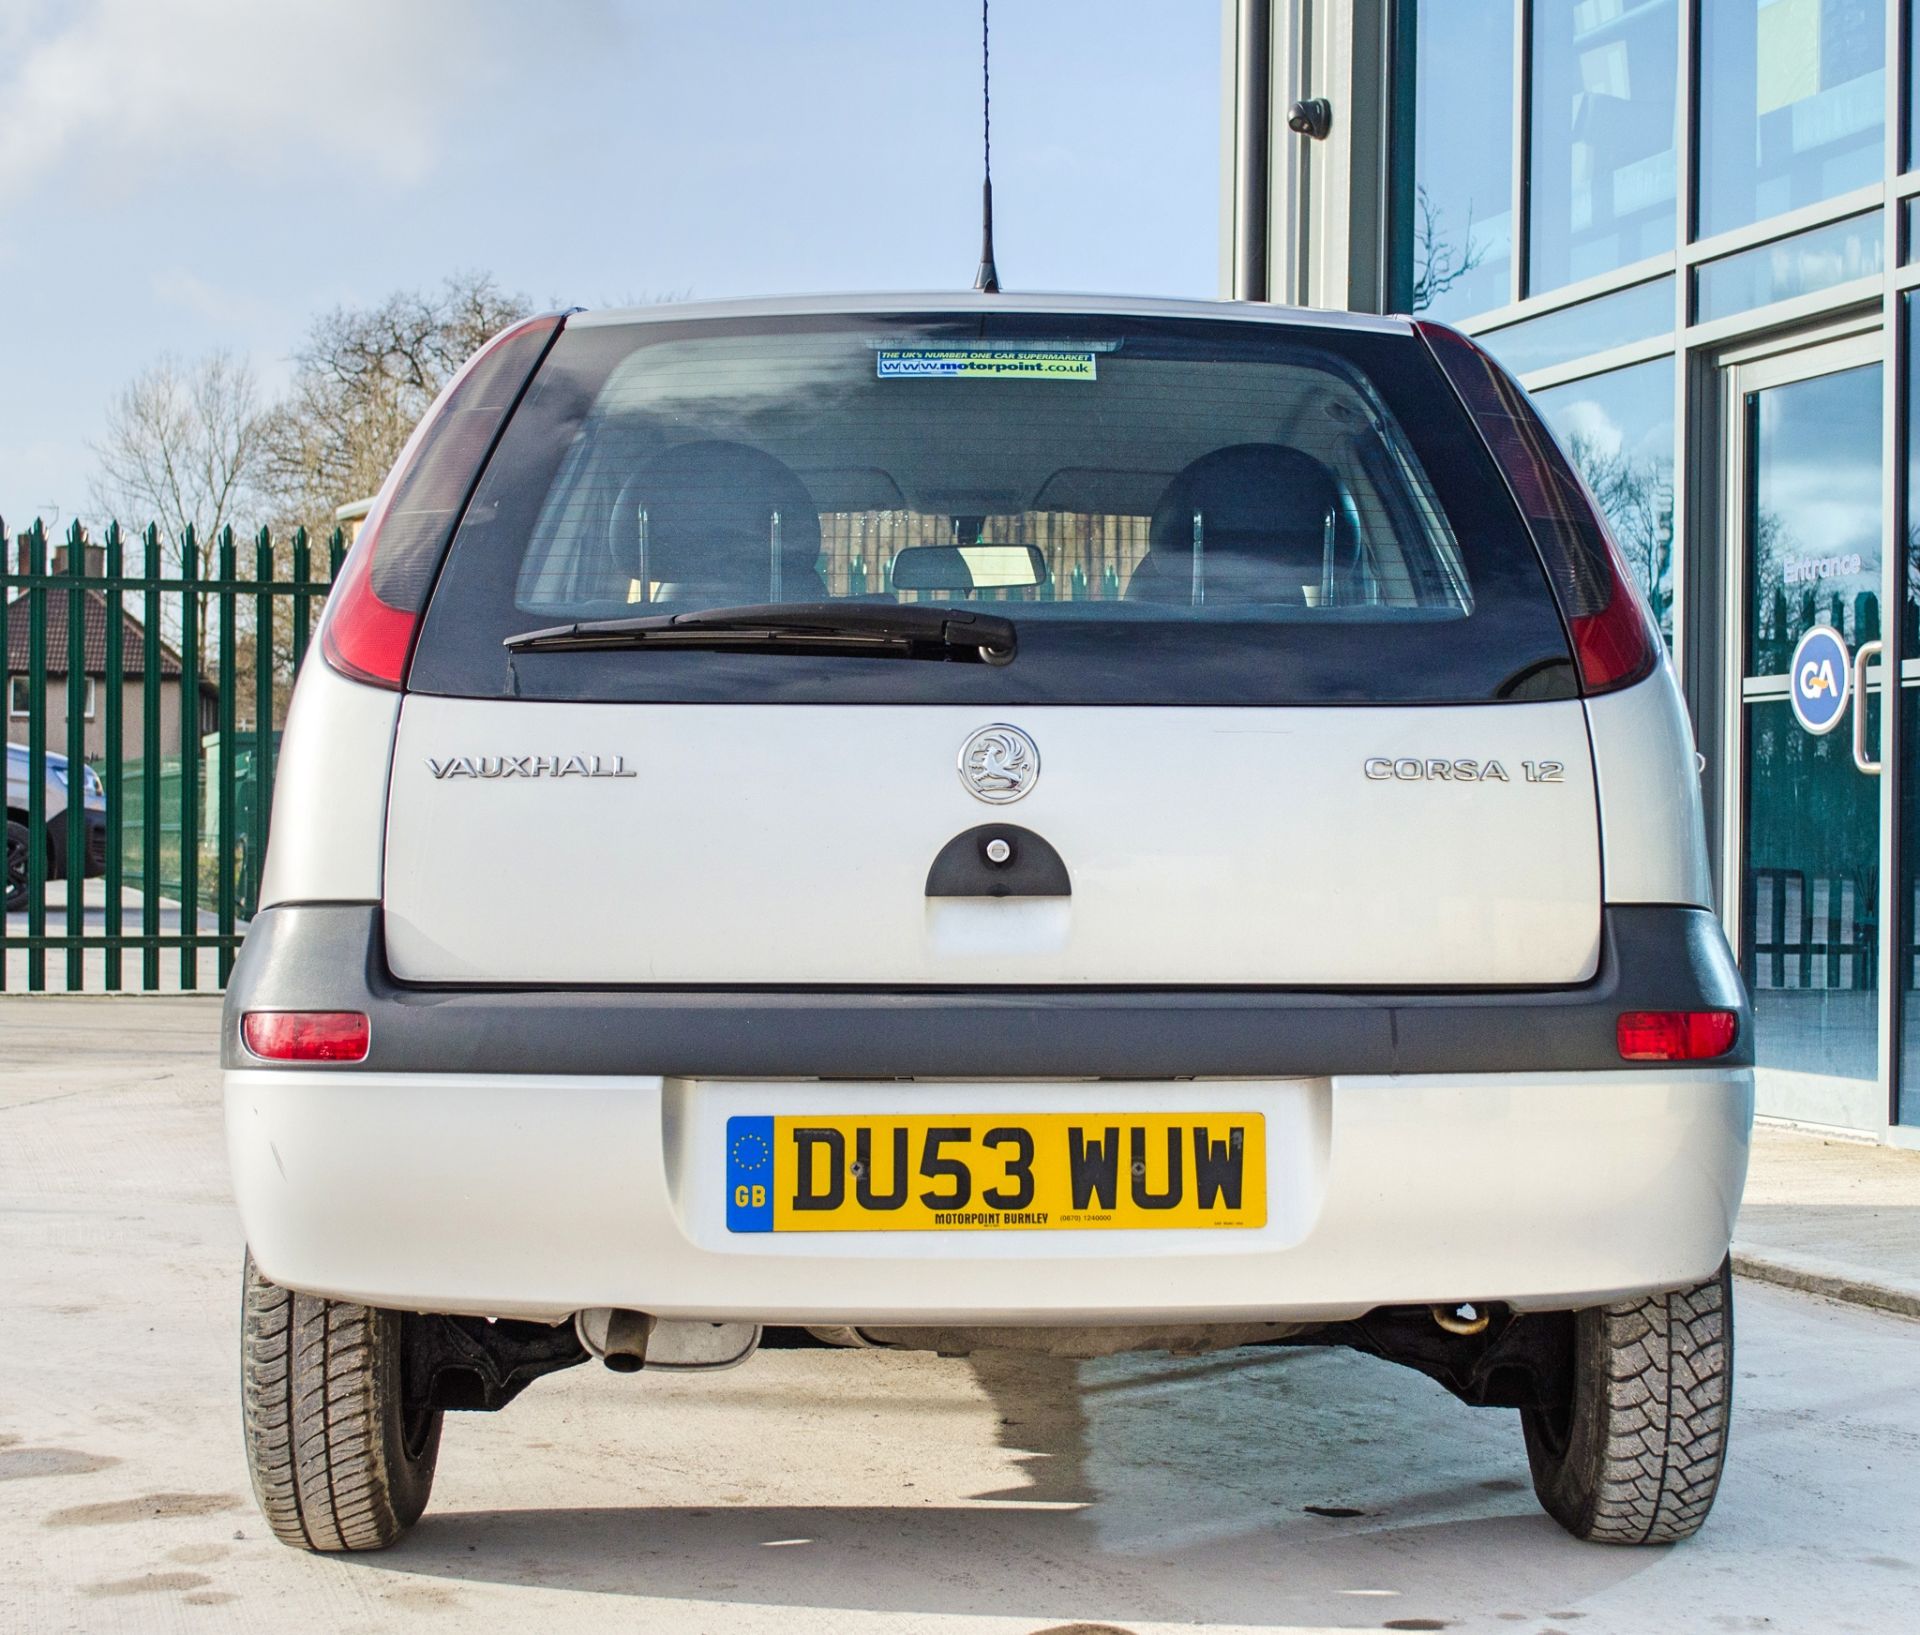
(984, 363)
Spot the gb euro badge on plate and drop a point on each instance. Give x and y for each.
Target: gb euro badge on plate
(750, 1175)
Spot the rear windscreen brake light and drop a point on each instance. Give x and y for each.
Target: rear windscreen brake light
(1614, 639)
(374, 612)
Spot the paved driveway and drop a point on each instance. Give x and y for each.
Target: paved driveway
(844, 1493)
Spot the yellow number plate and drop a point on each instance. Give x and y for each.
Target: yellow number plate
(973, 1171)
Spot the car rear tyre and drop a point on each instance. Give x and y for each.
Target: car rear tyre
(338, 1462)
(1634, 1453)
(16, 866)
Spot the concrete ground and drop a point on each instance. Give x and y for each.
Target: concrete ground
(1833, 1217)
(851, 1493)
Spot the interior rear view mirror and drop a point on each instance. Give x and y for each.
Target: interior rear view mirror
(968, 567)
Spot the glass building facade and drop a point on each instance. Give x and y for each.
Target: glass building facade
(1692, 229)
(1709, 301)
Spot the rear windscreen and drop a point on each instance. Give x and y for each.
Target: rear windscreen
(1170, 512)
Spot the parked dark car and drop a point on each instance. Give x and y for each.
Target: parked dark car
(54, 814)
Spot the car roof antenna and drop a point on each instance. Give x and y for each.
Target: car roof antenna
(987, 279)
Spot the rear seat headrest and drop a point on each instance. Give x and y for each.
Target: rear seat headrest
(709, 518)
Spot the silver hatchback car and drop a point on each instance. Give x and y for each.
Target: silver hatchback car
(1078, 825)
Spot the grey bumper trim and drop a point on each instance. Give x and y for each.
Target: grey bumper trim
(329, 956)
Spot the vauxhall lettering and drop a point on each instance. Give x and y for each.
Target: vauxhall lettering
(531, 766)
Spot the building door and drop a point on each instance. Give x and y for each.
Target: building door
(1805, 510)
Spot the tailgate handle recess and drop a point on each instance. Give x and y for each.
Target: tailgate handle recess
(998, 860)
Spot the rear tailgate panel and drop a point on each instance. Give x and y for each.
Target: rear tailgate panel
(789, 845)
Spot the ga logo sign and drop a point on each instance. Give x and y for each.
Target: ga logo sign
(1819, 679)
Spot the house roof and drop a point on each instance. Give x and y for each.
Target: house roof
(94, 628)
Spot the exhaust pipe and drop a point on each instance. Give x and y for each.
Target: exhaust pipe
(618, 1338)
(628, 1341)
(1463, 1319)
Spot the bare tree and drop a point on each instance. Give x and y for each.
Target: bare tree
(1636, 494)
(362, 378)
(1438, 264)
(182, 448)
(182, 445)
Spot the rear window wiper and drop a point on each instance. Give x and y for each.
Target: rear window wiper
(855, 629)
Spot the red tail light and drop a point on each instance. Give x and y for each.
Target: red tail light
(363, 637)
(306, 1036)
(1614, 638)
(375, 608)
(1676, 1036)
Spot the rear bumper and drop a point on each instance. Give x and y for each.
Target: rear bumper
(538, 1195)
(330, 956)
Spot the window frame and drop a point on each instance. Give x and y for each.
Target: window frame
(18, 711)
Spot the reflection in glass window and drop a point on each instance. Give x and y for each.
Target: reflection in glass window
(1910, 627)
(1810, 930)
(1602, 144)
(1618, 430)
(1792, 104)
(1911, 157)
(1461, 234)
(1634, 314)
(1814, 260)
(1908, 907)
(1813, 514)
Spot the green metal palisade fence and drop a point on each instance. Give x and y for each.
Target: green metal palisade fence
(186, 830)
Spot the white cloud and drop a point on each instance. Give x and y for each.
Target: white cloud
(236, 317)
(1830, 506)
(131, 88)
(177, 287)
(1590, 422)
(36, 472)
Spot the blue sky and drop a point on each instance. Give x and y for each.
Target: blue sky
(177, 175)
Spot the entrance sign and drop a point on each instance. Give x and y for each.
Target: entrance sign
(1819, 678)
